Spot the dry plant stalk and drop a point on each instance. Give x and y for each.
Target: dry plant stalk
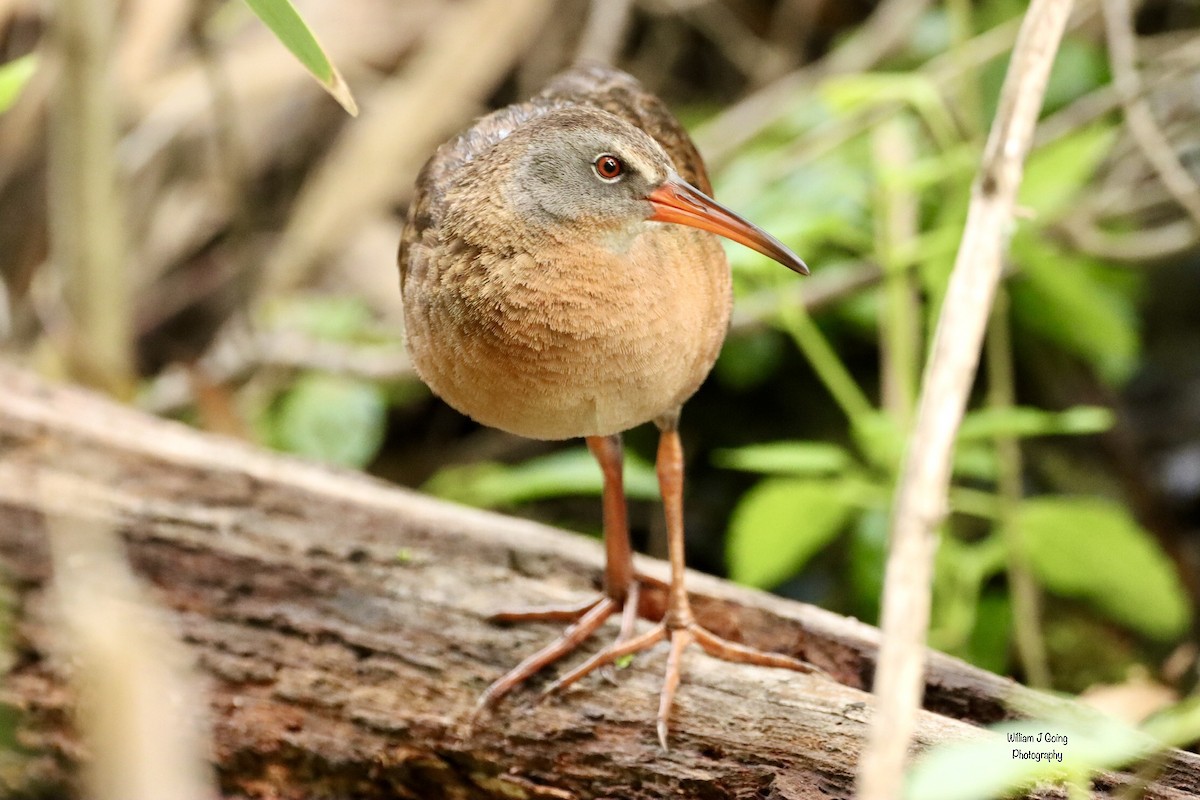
(920, 503)
(138, 706)
(888, 24)
(1157, 148)
(605, 31)
(87, 239)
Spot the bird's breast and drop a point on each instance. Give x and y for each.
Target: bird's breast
(577, 341)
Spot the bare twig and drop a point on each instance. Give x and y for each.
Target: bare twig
(604, 33)
(1157, 148)
(920, 502)
(726, 30)
(1169, 240)
(85, 216)
(878, 36)
(238, 353)
(759, 309)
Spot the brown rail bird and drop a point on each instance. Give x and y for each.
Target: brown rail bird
(561, 278)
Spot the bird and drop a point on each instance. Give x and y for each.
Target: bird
(561, 277)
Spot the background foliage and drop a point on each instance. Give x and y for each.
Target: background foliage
(1076, 495)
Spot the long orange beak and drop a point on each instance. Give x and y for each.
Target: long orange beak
(678, 201)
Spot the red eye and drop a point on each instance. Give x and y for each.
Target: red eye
(608, 167)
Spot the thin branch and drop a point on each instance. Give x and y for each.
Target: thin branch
(238, 353)
(874, 40)
(1122, 54)
(87, 237)
(920, 502)
(759, 309)
(604, 34)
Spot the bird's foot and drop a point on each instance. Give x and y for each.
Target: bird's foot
(681, 634)
(585, 618)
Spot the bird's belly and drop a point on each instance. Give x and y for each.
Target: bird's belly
(595, 385)
(560, 364)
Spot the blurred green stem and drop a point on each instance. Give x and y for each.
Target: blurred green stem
(895, 230)
(795, 320)
(974, 502)
(966, 89)
(85, 209)
(1026, 601)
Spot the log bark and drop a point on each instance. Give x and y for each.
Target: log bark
(341, 625)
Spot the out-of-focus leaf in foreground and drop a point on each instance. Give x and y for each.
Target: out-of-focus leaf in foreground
(291, 30)
(13, 77)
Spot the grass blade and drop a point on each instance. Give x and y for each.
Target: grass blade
(290, 28)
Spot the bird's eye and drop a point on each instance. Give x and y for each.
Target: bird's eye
(608, 167)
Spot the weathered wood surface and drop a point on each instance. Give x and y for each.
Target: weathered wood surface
(341, 625)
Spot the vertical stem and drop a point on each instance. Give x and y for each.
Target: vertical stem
(970, 104)
(920, 503)
(85, 214)
(1026, 601)
(816, 349)
(604, 33)
(896, 227)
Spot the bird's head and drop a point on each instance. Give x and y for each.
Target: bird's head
(580, 168)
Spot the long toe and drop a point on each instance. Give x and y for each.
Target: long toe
(570, 639)
(608, 655)
(689, 633)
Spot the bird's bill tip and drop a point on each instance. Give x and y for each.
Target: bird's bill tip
(675, 200)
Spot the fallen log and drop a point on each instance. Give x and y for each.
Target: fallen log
(341, 626)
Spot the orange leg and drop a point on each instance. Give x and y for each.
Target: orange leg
(679, 625)
(620, 584)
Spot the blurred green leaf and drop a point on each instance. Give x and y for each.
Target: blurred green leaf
(1056, 174)
(868, 90)
(881, 440)
(931, 36)
(562, 474)
(988, 645)
(1179, 725)
(328, 317)
(1091, 548)
(866, 558)
(1080, 66)
(749, 360)
(291, 30)
(13, 77)
(332, 418)
(985, 768)
(780, 524)
(975, 460)
(806, 206)
(1059, 296)
(1023, 421)
(960, 571)
(786, 458)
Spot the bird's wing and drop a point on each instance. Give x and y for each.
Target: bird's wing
(428, 203)
(618, 93)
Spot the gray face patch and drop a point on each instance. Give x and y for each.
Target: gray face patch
(556, 182)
